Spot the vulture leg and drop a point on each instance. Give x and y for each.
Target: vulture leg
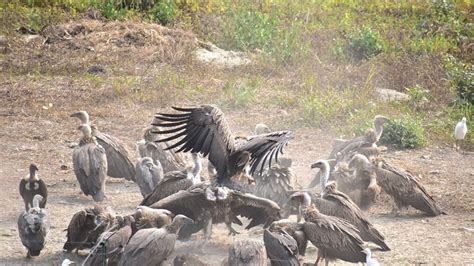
(208, 229)
(228, 222)
(395, 210)
(28, 256)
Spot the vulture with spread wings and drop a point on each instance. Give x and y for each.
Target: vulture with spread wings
(204, 129)
(208, 205)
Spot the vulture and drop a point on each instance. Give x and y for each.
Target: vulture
(369, 260)
(282, 249)
(86, 226)
(90, 165)
(295, 230)
(147, 147)
(204, 129)
(208, 205)
(175, 181)
(360, 185)
(33, 226)
(31, 186)
(402, 186)
(109, 247)
(152, 246)
(118, 159)
(148, 174)
(247, 252)
(334, 237)
(335, 203)
(146, 217)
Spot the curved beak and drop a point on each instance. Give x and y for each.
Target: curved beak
(315, 165)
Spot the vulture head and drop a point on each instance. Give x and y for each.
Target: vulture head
(35, 215)
(262, 129)
(147, 162)
(178, 221)
(33, 170)
(303, 198)
(81, 115)
(86, 130)
(358, 161)
(379, 120)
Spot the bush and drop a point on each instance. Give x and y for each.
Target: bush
(462, 79)
(164, 12)
(403, 133)
(364, 44)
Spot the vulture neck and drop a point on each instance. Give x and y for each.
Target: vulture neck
(33, 176)
(174, 227)
(306, 202)
(378, 129)
(196, 172)
(324, 177)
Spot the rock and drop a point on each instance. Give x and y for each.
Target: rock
(209, 53)
(64, 167)
(434, 172)
(426, 157)
(388, 95)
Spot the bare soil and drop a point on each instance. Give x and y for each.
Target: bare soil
(34, 131)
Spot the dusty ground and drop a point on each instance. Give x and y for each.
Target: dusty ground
(34, 131)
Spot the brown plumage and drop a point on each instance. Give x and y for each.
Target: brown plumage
(175, 181)
(153, 246)
(282, 249)
(109, 247)
(146, 217)
(86, 226)
(295, 230)
(334, 237)
(118, 158)
(405, 189)
(247, 252)
(90, 165)
(204, 129)
(147, 147)
(33, 186)
(208, 205)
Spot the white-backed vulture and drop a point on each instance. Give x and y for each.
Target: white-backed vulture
(402, 186)
(208, 205)
(204, 129)
(118, 158)
(147, 147)
(282, 249)
(247, 252)
(86, 226)
(33, 226)
(175, 181)
(31, 186)
(146, 217)
(90, 165)
(153, 246)
(148, 174)
(295, 230)
(369, 260)
(110, 245)
(334, 237)
(335, 203)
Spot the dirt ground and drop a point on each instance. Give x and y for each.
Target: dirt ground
(34, 131)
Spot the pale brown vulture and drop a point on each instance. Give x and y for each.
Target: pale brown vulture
(146, 217)
(111, 243)
(153, 246)
(401, 185)
(90, 165)
(175, 181)
(86, 226)
(334, 237)
(204, 130)
(147, 147)
(208, 205)
(148, 174)
(118, 158)
(33, 226)
(282, 249)
(31, 186)
(247, 252)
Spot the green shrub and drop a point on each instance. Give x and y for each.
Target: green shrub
(462, 78)
(364, 44)
(403, 133)
(164, 12)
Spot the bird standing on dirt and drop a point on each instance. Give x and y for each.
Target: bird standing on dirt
(33, 225)
(281, 248)
(118, 159)
(33, 186)
(148, 174)
(460, 132)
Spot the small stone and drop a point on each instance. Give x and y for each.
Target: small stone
(64, 167)
(426, 157)
(434, 172)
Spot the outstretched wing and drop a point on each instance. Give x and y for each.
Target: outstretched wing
(171, 183)
(258, 210)
(118, 160)
(191, 203)
(200, 129)
(265, 148)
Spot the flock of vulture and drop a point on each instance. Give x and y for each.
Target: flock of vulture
(248, 182)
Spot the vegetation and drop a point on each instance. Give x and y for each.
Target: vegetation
(321, 60)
